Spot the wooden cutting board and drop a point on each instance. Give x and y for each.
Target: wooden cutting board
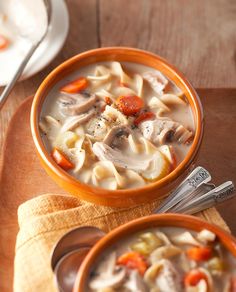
(22, 177)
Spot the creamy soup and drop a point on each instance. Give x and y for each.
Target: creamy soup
(165, 260)
(117, 126)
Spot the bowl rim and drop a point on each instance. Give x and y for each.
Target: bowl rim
(66, 177)
(136, 225)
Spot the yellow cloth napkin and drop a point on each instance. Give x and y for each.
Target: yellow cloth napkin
(44, 219)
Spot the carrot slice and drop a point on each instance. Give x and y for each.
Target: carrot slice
(199, 253)
(129, 105)
(61, 159)
(143, 117)
(133, 260)
(3, 42)
(75, 86)
(108, 100)
(193, 277)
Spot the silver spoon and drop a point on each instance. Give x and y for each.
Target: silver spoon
(80, 237)
(202, 189)
(69, 252)
(26, 59)
(194, 180)
(67, 268)
(215, 196)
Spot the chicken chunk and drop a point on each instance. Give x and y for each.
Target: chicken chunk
(160, 131)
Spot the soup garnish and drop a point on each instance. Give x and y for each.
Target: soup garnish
(113, 128)
(3, 42)
(165, 259)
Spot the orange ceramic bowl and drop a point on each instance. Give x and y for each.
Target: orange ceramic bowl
(127, 197)
(126, 230)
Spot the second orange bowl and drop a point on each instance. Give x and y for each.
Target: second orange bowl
(124, 231)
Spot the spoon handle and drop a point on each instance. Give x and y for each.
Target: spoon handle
(200, 191)
(220, 194)
(17, 74)
(196, 178)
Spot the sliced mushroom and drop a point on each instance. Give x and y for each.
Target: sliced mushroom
(72, 122)
(107, 275)
(74, 104)
(182, 135)
(107, 265)
(160, 131)
(152, 129)
(113, 281)
(105, 152)
(164, 252)
(165, 135)
(185, 238)
(164, 276)
(135, 283)
(157, 81)
(116, 132)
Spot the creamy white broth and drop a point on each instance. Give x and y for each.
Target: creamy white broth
(217, 270)
(106, 174)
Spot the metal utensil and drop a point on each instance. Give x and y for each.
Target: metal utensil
(218, 195)
(80, 237)
(27, 57)
(69, 252)
(196, 178)
(67, 268)
(201, 190)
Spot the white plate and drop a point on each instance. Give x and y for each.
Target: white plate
(46, 52)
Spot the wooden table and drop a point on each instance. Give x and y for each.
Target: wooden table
(198, 37)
